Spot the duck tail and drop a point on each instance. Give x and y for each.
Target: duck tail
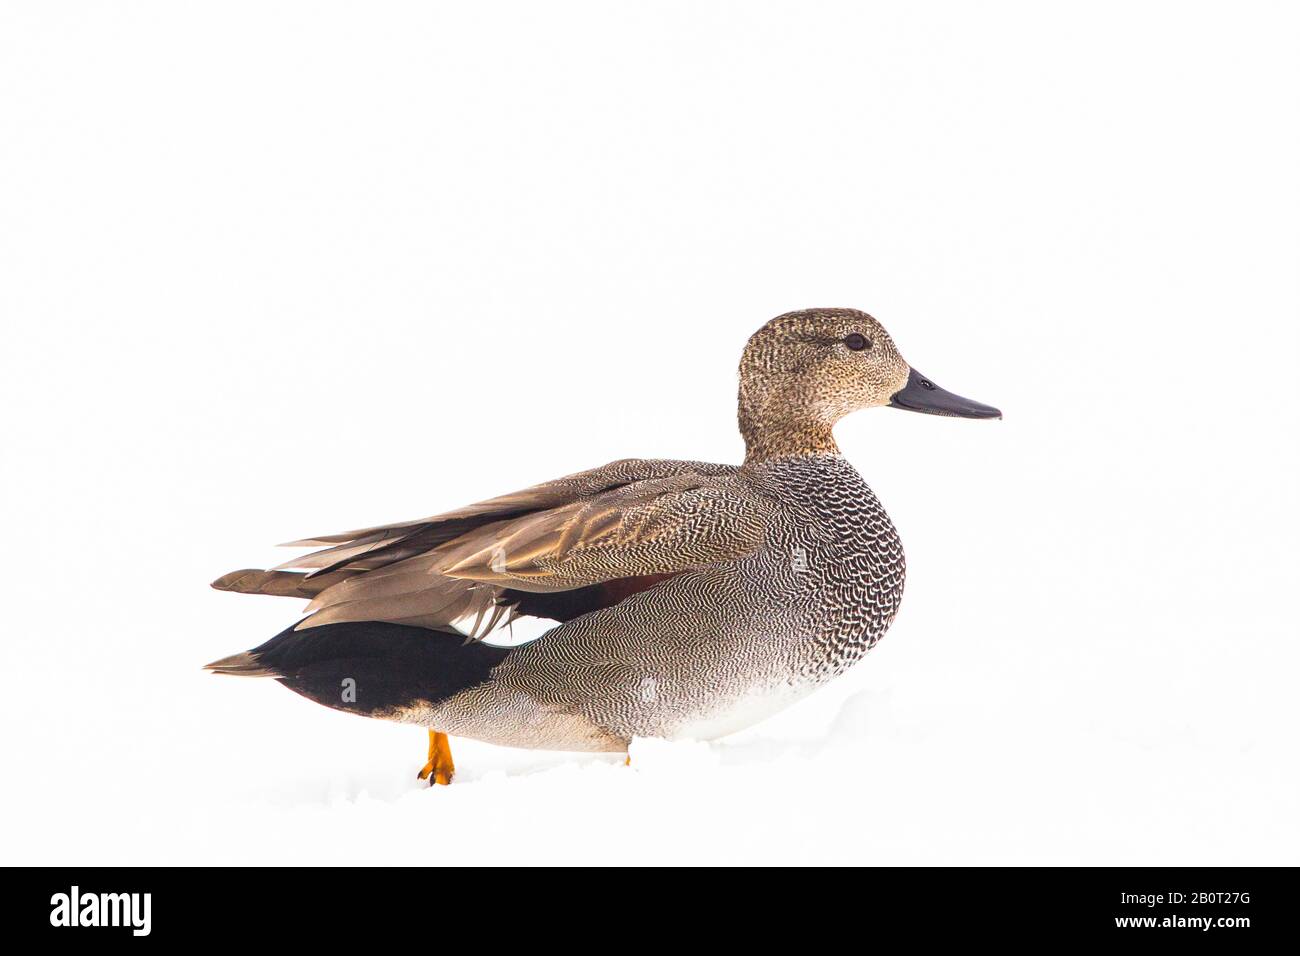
(245, 664)
(368, 667)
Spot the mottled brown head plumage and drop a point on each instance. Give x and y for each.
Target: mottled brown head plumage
(804, 371)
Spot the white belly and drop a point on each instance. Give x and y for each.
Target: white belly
(757, 705)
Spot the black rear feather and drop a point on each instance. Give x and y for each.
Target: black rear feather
(389, 665)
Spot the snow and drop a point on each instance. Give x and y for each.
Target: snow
(283, 269)
(913, 759)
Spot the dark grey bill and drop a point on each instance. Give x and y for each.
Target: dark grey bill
(922, 395)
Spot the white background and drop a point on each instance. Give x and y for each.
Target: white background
(275, 269)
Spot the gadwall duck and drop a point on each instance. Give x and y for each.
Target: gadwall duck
(693, 599)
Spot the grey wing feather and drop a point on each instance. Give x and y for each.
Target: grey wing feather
(626, 518)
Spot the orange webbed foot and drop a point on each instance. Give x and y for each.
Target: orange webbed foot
(440, 768)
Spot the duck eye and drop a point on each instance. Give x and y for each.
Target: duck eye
(857, 342)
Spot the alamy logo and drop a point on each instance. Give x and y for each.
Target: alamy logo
(649, 690)
(102, 909)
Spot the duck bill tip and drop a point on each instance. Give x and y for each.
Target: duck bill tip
(920, 394)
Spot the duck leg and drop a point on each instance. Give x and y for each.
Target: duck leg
(440, 768)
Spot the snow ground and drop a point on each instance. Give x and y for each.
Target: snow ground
(278, 269)
(951, 746)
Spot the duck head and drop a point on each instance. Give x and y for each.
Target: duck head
(804, 371)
